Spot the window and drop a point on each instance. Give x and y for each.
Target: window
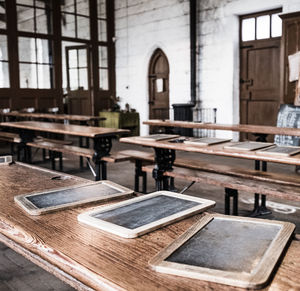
(75, 19)
(103, 68)
(4, 65)
(102, 20)
(261, 26)
(34, 16)
(35, 63)
(34, 20)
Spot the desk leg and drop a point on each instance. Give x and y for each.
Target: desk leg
(102, 147)
(262, 209)
(164, 159)
(24, 151)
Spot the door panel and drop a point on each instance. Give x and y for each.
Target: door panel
(159, 86)
(260, 83)
(78, 76)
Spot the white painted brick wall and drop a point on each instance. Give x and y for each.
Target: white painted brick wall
(141, 27)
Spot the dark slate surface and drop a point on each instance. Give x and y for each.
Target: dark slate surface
(226, 245)
(71, 195)
(146, 211)
(288, 116)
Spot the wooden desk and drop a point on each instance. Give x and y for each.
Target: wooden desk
(87, 258)
(249, 128)
(83, 119)
(101, 136)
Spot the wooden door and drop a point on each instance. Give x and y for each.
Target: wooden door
(79, 80)
(158, 86)
(260, 80)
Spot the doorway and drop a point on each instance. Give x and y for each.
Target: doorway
(158, 78)
(78, 80)
(260, 40)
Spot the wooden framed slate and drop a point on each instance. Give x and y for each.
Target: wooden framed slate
(280, 150)
(248, 146)
(205, 141)
(143, 214)
(159, 136)
(4, 160)
(44, 202)
(237, 251)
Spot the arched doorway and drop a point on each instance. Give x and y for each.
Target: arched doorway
(158, 78)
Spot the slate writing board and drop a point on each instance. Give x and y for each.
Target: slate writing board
(280, 150)
(42, 202)
(237, 251)
(288, 116)
(205, 141)
(248, 145)
(142, 214)
(158, 137)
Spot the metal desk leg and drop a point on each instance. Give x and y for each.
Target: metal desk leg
(164, 159)
(102, 147)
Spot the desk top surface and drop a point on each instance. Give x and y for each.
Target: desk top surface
(250, 128)
(95, 258)
(71, 117)
(213, 150)
(71, 129)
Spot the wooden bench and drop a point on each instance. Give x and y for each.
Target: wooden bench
(272, 184)
(57, 149)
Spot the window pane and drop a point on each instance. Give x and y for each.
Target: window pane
(276, 25)
(28, 78)
(2, 12)
(101, 8)
(27, 49)
(83, 27)
(26, 2)
(102, 35)
(3, 48)
(44, 73)
(103, 62)
(248, 29)
(43, 51)
(82, 58)
(263, 27)
(73, 61)
(68, 6)
(43, 21)
(68, 25)
(25, 18)
(83, 79)
(103, 78)
(4, 75)
(83, 7)
(43, 3)
(73, 75)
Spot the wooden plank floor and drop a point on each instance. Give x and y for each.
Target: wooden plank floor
(17, 273)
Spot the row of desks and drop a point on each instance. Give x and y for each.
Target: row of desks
(92, 259)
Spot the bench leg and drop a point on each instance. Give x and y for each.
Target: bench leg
(98, 171)
(139, 173)
(228, 194)
(52, 159)
(262, 208)
(60, 162)
(103, 170)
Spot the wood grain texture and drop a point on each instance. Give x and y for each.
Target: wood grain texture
(233, 127)
(282, 191)
(95, 258)
(71, 129)
(217, 150)
(70, 117)
(236, 251)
